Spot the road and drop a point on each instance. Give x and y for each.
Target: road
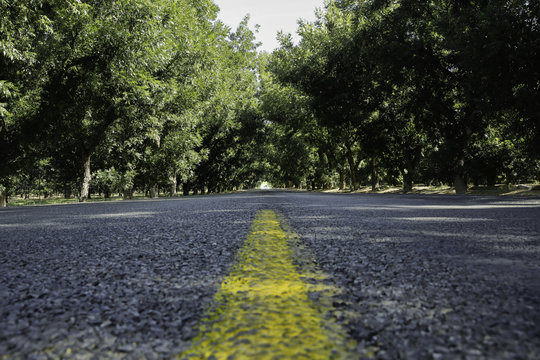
(429, 277)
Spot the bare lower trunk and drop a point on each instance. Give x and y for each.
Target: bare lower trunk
(407, 183)
(128, 194)
(408, 174)
(153, 192)
(85, 182)
(185, 189)
(3, 197)
(492, 175)
(374, 174)
(341, 180)
(352, 167)
(172, 190)
(460, 178)
(67, 191)
(460, 184)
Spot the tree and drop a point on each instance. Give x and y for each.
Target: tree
(230, 121)
(22, 24)
(104, 60)
(398, 78)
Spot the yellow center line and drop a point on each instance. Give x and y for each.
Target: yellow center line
(262, 309)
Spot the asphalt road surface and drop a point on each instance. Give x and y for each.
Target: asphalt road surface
(419, 277)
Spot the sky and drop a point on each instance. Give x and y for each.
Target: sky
(271, 15)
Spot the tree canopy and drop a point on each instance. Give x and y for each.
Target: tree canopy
(160, 96)
(431, 91)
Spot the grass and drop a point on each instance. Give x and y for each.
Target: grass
(498, 190)
(57, 199)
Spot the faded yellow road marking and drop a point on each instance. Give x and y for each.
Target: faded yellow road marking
(262, 307)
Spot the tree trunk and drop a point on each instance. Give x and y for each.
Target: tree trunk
(128, 194)
(352, 168)
(341, 179)
(407, 183)
(374, 174)
(460, 184)
(492, 178)
(3, 196)
(185, 188)
(460, 178)
(342, 173)
(173, 184)
(411, 162)
(153, 192)
(67, 191)
(85, 182)
(407, 179)
(460, 173)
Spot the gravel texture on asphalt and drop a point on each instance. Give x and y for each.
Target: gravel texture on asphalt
(430, 277)
(112, 280)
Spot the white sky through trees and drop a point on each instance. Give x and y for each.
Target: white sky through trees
(271, 15)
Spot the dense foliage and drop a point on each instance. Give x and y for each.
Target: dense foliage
(117, 96)
(157, 96)
(410, 90)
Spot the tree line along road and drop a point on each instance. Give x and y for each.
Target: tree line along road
(351, 276)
